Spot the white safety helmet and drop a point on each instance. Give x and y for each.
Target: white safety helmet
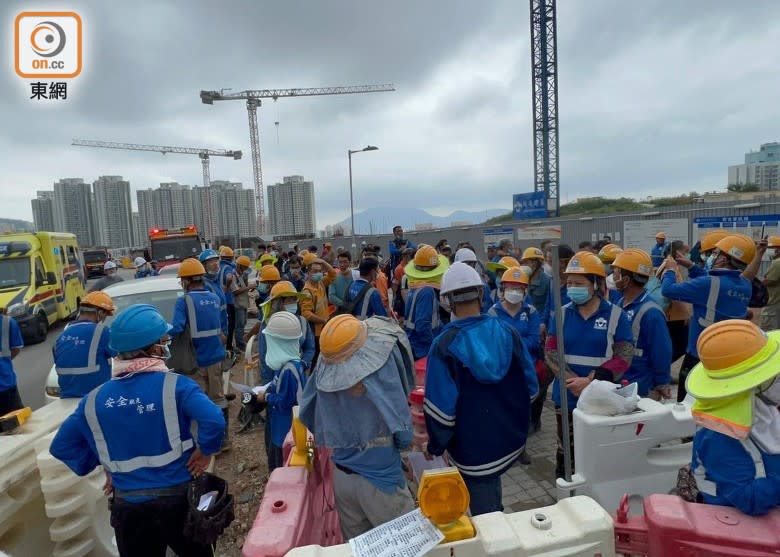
(284, 325)
(109, 266)
(465, 255)
(139, 262)
(460, 283)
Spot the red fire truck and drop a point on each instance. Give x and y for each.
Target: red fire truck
(170, 245)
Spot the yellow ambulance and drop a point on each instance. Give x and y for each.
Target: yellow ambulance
(41, 280)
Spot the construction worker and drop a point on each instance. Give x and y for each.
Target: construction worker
(82, 357)
(770, 314)
(283, 355)
(154, 271)
(337, 292)
(361, 413)
(652, 361)
(722, 294)
(597, 340)
(397, 245)
(199, 311)
(467, 256)
(241, 297)
(109, 277)
(141, 268)
(422, 319)
(503, 249)
(363, 300)
(657, 254)
(478, 391)
(225, 279)
(267, 276)
(736, 450)
(295, 272)
(137, 426)
(496, 269)
(11, 344)
(314, 304)
(538, 280)
(210, 261)
(607, 254)
(706, 254)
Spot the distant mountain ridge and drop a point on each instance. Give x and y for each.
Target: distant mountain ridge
(381, 220)
(8, 225)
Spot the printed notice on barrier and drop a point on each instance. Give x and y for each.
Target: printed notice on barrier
(409, 535)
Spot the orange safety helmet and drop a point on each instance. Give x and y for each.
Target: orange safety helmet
(739, 247)
(225, 251)
(773, 242)
(341, 337)
(426, 256)
(269, 273)
(307, 257)
(585, 263)
(99, 300)
(709, 240)
(609, 252)
(243, 260)
(191, 268)
(514, 275)
(634, 260)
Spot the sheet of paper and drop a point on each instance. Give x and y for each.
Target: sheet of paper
(206, 500)
(409, 535)
(260, 389)
(241, 388)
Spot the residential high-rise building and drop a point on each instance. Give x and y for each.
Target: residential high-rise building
(74, 210)
(200, 211)
(113, 210)
(139, 237)
(761, 168)
(291, 208)
(234, 210)
(169, 206)
(43, 211)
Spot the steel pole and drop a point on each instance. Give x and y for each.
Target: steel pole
(556, 280)
(351, 205)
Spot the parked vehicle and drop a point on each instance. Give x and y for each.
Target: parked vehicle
(41, 280)
(94, 259)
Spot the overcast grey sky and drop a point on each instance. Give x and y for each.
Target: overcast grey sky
(656, 97)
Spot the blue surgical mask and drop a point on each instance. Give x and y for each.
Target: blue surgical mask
(316, 277)
(579, 294)
(292, 308)
(262, 287)
(710, 261)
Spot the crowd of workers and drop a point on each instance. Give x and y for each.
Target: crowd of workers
(339, 338)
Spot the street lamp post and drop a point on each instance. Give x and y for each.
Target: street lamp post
(351, 199)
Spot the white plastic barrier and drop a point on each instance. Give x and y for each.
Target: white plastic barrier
(623, 454)
(25, 526)
(577, 526)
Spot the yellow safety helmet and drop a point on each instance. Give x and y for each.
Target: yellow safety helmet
(585, 263)
(99, 300)
(609, 252)
(225, 251)
(269, 273)
(774, 242)
(308, 258)
(243, 260)
(709, 240)
(634, 260)
(191, 267)
(284, 289)
(506, 262)
(660, 236)
(739, 247)
(532, 253)
(267, 259)
(736, 356)
(427, 264)
(514, 275)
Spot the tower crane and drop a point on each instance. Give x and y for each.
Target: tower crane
(253, 100)
(202, 152)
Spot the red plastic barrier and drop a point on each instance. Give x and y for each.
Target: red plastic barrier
(416, 398)
(298, 508)
(419, 371)
(671, 526)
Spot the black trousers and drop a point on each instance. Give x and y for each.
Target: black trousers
(231, 315)
(10, 400)
(538, 404)
(148, 529)
(678, 331)
(688, 363)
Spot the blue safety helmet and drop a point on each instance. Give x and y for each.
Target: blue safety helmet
(137, 327)
(205, 255)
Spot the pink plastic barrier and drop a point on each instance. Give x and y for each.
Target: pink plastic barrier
(670, 526)
(416, 399)
(298, 508)
(419, 371)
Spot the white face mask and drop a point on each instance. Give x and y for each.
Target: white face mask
(514, 296)
(771, 392)
(292, 308)
(444, 302)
